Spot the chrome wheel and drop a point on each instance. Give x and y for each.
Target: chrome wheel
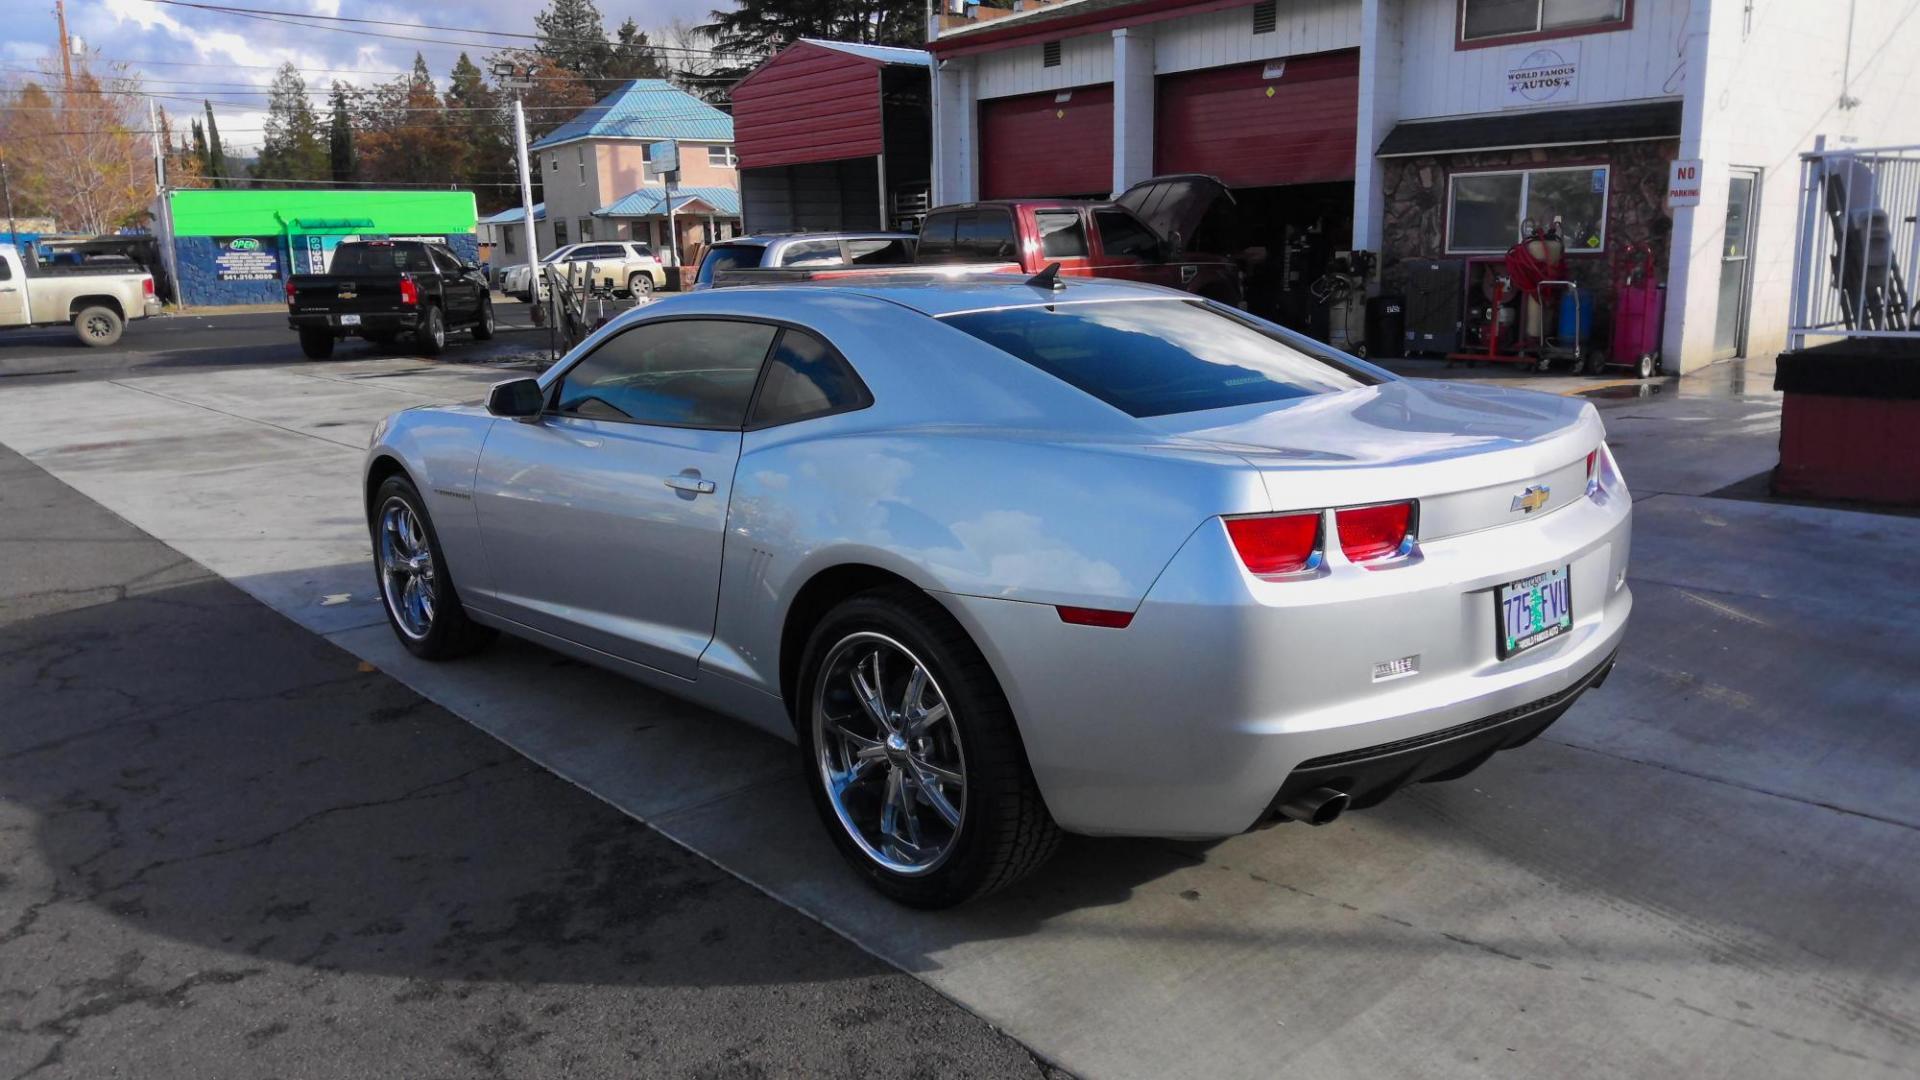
(406, 568)
(889, 753)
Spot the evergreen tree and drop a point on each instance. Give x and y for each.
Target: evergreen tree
(292, 148)
(199, 143)
(216, 168)
(340, 155)
(485, 136)
(633, 56)
(574, 37)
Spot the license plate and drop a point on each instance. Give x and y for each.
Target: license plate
(349, 320)
(1532, 610)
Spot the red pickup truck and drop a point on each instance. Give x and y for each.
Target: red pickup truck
(1169, 230)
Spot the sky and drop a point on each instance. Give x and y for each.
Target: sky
(189, 55)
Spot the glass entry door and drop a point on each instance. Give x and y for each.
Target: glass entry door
(1736, 264)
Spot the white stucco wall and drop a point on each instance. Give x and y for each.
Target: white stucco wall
(1772, 83)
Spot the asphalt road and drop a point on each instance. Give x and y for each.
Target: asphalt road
(228, 848)
(174, 343)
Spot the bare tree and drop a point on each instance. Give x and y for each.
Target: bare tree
(83, 155)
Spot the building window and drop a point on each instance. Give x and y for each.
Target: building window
(506, 239)
(1050, 54)
(1492, 20)
(586, 229)
(559, 233)
(721, 157)
(581, 153)
(1491, 211)
(553, 163)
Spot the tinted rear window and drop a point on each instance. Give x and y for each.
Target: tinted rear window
(381, 259)
(1154, 357)
(728, 257)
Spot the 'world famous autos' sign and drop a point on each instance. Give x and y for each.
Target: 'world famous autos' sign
(1542, 75)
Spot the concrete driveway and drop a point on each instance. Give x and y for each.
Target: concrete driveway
(1707, 868)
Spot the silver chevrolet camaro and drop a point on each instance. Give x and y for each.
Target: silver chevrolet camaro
(1013, 557)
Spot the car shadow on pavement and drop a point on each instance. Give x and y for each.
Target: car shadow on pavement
(200, 769)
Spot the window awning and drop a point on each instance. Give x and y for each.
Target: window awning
(1633, 122)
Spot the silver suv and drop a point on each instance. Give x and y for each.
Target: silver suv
(770, 251)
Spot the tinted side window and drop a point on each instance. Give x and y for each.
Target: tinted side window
(986, 234)
(937, 236)
(6, 270)
(1122, 234)
(729, 257)
(685, 373)
(1062, 236)
(878, 252)
(445, 260)
(812, 253)
(806, 378)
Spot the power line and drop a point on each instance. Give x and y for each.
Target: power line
(229, 9)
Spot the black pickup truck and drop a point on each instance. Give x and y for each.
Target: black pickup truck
(381, 289)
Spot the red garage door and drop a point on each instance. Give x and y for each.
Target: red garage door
(1039, 146)
(1260, 125)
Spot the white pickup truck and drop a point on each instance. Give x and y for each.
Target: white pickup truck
(96, 301)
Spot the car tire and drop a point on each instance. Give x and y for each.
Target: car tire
(317, 344)
(1645, 367)
(639, 286)
(428, 619)
(98, 327)
(1000, 830)
(1596, 361)
(430, 337)
(483, 330)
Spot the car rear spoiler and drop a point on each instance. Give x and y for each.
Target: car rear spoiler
(862, 275)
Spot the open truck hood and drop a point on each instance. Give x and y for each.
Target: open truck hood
(1176, 206)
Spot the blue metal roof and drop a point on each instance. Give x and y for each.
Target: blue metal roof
(644, 109)
(513, 214)
(651, 201)
(885, 54)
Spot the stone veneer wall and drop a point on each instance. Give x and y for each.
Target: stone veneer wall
(1416, 205)
(200, 284)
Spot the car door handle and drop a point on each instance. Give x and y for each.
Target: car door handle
(693, 485)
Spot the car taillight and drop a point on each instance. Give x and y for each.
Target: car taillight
(146, 287)
(1276, 544)
(1373, 532)
(409, 292)
(289, 292)
(1593, 457)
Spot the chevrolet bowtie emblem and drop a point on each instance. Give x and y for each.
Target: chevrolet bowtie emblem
(1531, 499)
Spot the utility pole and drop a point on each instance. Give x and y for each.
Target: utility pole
(13, 233)
(66, 43)
(165, 200)
(517, 81)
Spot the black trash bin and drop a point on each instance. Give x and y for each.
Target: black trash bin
(1386, 326)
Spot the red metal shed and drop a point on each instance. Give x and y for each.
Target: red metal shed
(824, 128)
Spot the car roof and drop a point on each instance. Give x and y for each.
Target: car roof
(941, 296)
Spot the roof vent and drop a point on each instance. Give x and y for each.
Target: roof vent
(1050, 54)
(1264, 17)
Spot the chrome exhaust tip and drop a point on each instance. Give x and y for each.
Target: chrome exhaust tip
(1317, 807)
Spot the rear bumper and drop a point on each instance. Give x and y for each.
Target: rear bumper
(1225, 688)
(375, 321)
(1372, 773)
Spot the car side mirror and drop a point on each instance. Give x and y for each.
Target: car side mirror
(517, 399)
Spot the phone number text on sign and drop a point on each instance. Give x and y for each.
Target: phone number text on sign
(247, 258)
